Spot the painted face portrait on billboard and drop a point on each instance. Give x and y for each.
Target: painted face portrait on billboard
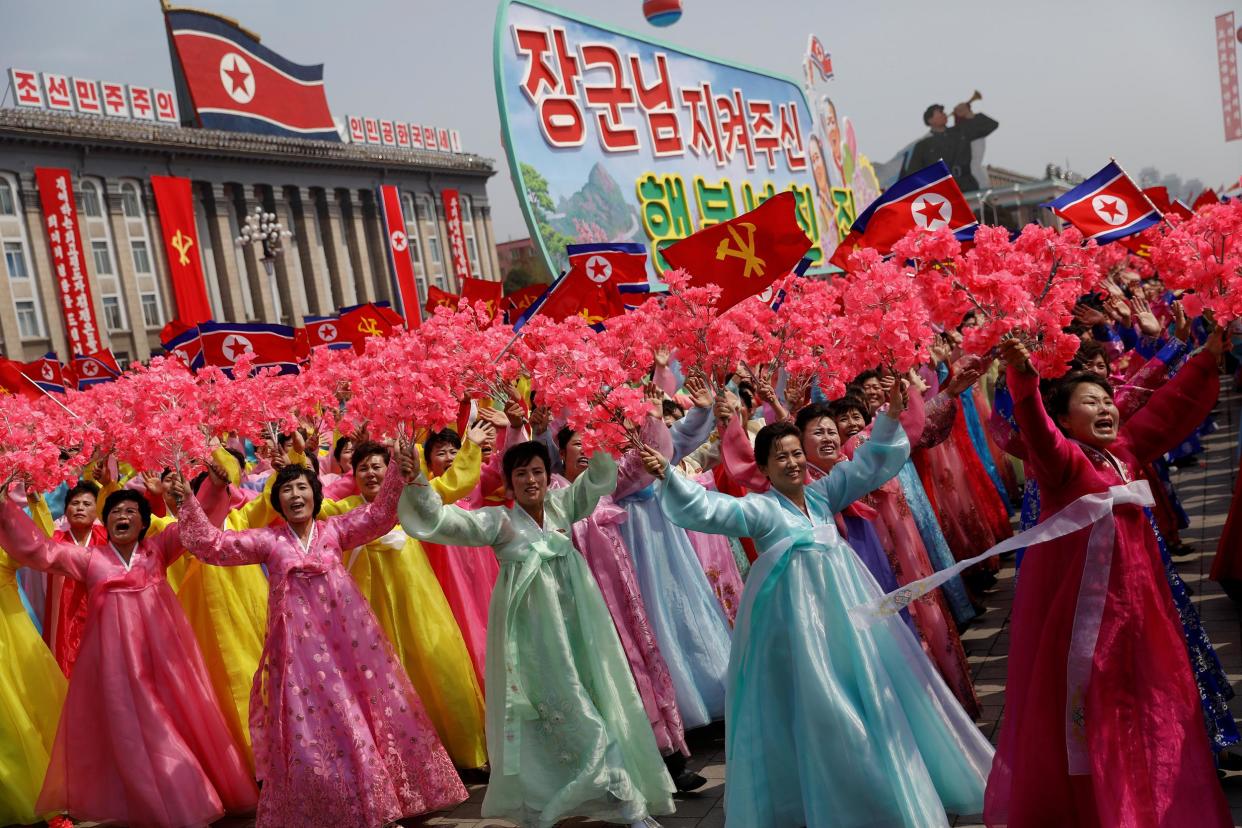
(832, 132)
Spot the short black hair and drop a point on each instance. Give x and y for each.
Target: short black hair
(1062, 390)
(864, 376)
(339, 448)
(128, 495)
(370, 449)
(564, 436)
(523, 453)
(288, 474)
(435, 438)
(811, 413)
(848, 403)
(929, 112)
(80, 488)
(671, 408)
(770, 435)
(1089, 350)
(746, 393)
(197, 482)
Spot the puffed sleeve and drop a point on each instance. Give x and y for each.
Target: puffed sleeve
(874, 463)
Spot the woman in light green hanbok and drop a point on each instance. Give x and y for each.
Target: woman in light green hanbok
(567, 734)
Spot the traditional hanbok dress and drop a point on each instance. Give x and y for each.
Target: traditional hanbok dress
(1126, 746)
(32, 690)
(830, 722)
(598, 538)
(141, 739)
(340, 736)
(689, 623)
(64, 617)
(566, 731)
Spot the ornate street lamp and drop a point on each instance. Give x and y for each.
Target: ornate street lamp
(261, 228)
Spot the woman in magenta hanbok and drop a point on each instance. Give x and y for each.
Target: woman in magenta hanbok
(1102, 725)
(141, 740)
(340, 736)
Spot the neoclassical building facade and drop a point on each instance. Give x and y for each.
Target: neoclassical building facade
(323, 193)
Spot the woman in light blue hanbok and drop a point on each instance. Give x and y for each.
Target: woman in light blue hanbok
(689, 623)
(830, 722)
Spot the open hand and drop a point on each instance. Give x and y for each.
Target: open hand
(696, 388)
(481, 432)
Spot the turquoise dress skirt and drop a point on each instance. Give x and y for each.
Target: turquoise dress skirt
(831, 723)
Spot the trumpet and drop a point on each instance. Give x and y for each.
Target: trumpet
(975, 96)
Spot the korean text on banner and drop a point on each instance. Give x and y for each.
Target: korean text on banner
(613, 137)
(457, 236)
(60, 220)
(174, 199)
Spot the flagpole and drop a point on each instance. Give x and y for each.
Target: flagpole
(517, 333)
(48, 394)
(1146, 197)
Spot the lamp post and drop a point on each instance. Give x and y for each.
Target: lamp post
(261, 228)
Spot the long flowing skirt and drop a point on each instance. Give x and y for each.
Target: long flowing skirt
(688, 621)
(467, 574)
(142, 741)
(32, 690)
(340, 736)
(579, 743)
(934, 542)
(832, 723)
(411, 609)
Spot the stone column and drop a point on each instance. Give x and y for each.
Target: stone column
(260, 289)
(222, 234)
(303, 246)
(340, 272)
(355, 235)
(488, 251)
(377, 246)
(126, 277)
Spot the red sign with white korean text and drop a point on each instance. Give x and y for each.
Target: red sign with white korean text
(614, 136)
(457, 236)
(399, 255)
(60, 220)
(1227, 58)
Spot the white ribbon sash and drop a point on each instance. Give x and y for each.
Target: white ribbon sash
(1095, 510)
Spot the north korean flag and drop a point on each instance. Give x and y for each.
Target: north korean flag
(928, 199)
(589, 288)
(93, 369)
(326, 332)
(1107, 206)
(185, 344)
(224, 342)
(235, 83)
(47, 373)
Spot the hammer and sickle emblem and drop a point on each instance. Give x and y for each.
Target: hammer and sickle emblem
(744, 250)
(369, 327)
(182, 244)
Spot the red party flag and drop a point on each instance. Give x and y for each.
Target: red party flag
(482, 290)
(437, 298)
(745, 254)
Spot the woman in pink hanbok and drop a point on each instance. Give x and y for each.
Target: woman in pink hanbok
(141, 740)
(340, 736)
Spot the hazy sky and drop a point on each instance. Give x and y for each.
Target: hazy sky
(1069, 80)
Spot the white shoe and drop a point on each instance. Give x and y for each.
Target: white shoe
(645, 823)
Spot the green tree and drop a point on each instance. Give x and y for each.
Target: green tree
(541, 208)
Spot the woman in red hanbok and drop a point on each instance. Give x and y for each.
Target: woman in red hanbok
(1102, 725)
(141, 740)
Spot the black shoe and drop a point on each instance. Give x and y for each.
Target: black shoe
(475, 776)
(1229, 761)
(689, 781)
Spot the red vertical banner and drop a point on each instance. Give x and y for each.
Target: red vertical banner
(174, 199)
(457, 237)
(1227, 58)
(399, 255)
(60, 220)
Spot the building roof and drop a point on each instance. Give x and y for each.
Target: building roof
(38, 126)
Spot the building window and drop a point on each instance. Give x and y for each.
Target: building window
(91, 204)
(122, 359)
(28, 323)
(142, 259)
(151, 315)
(130, 205)
(113, 320)
(103, 261)
(8, 204)
(15, 260)
(427, 213)
(467, 229)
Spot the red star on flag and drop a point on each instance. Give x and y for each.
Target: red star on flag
(932, 211)
(237, 77)
(1110, 207)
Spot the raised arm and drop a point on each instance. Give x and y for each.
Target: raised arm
(1150, 376)
(27, 545)
(216, 546)
(460, 478)
(690, 506)
(424, 516)
(873, 464)
(691, 431)
(1049, 452)
(1176, 409)
(580, 499)
(364, 524)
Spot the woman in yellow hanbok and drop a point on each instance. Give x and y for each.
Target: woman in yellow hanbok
(32, 691)
(394, 576)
